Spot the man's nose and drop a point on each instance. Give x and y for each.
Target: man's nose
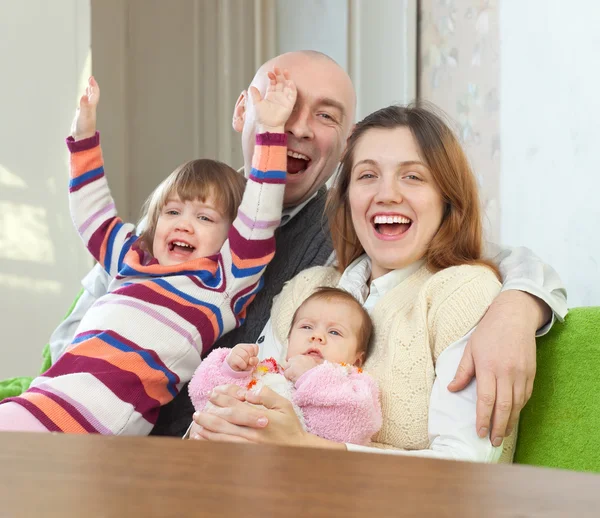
(299, 124)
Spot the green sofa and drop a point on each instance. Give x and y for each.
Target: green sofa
(560, 426)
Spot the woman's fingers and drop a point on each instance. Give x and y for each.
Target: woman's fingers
(269, 399)
(214, 424)
(207, 435)
(237, 412)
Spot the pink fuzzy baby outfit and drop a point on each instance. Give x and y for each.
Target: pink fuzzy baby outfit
(335, 402)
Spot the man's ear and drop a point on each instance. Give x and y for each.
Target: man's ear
(239, 112)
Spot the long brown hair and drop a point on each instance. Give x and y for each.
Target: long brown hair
(196, 179)
(459, 239)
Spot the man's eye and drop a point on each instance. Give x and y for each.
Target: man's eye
(326, 116)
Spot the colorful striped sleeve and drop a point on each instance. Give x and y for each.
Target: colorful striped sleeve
(251, 243)
(92, 207)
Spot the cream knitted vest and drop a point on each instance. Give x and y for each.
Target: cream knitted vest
(413, 323)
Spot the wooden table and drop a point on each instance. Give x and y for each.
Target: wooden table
(86, 476)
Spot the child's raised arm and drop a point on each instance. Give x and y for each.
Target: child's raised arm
(251, 243)
(92, 207)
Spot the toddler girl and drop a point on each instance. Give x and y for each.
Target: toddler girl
(175, 290)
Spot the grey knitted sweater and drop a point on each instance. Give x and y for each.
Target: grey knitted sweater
(301, 243)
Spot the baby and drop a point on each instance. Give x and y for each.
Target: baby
(327, 344)
(175, 290)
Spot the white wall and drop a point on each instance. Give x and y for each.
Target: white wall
(44, 60)
(375, 41)
(550, 129)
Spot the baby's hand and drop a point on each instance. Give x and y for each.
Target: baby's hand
(272, 112)
(242, 357)
(298, 365)
(84, 123)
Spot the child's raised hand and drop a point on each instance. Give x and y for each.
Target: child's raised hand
(84, 123)
(272, 112)
(243, 357)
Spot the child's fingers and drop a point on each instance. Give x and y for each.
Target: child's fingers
(253, 362)
(254, 95)
(238, 362)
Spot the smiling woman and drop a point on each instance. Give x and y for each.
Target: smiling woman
(406, 228)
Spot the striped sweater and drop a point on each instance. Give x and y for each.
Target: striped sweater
(142, 341)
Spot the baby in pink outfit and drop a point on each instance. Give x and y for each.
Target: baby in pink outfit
(327, 344)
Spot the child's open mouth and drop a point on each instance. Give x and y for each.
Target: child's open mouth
(181, 247)
(296, 162)
(391, 225)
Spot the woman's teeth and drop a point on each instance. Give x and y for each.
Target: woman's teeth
(380, 220)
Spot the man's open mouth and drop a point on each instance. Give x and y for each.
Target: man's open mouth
(181, 247)
(391, 225)
(297, 162)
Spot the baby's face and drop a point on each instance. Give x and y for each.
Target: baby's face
(188, 230)
(326, 330)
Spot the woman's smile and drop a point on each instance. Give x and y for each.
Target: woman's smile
(390, 226)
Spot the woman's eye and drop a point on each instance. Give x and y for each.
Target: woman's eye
(412, 177)
(366, 176)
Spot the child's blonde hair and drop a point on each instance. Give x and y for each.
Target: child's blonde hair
(195, 180)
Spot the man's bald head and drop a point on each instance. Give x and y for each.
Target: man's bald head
(319, 125)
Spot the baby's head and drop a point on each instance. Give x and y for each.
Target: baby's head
(189, 214)
(331, 325)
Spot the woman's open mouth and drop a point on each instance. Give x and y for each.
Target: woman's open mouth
(297, 163)
(391, 225)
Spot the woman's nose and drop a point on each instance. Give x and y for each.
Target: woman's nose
(389, 191)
